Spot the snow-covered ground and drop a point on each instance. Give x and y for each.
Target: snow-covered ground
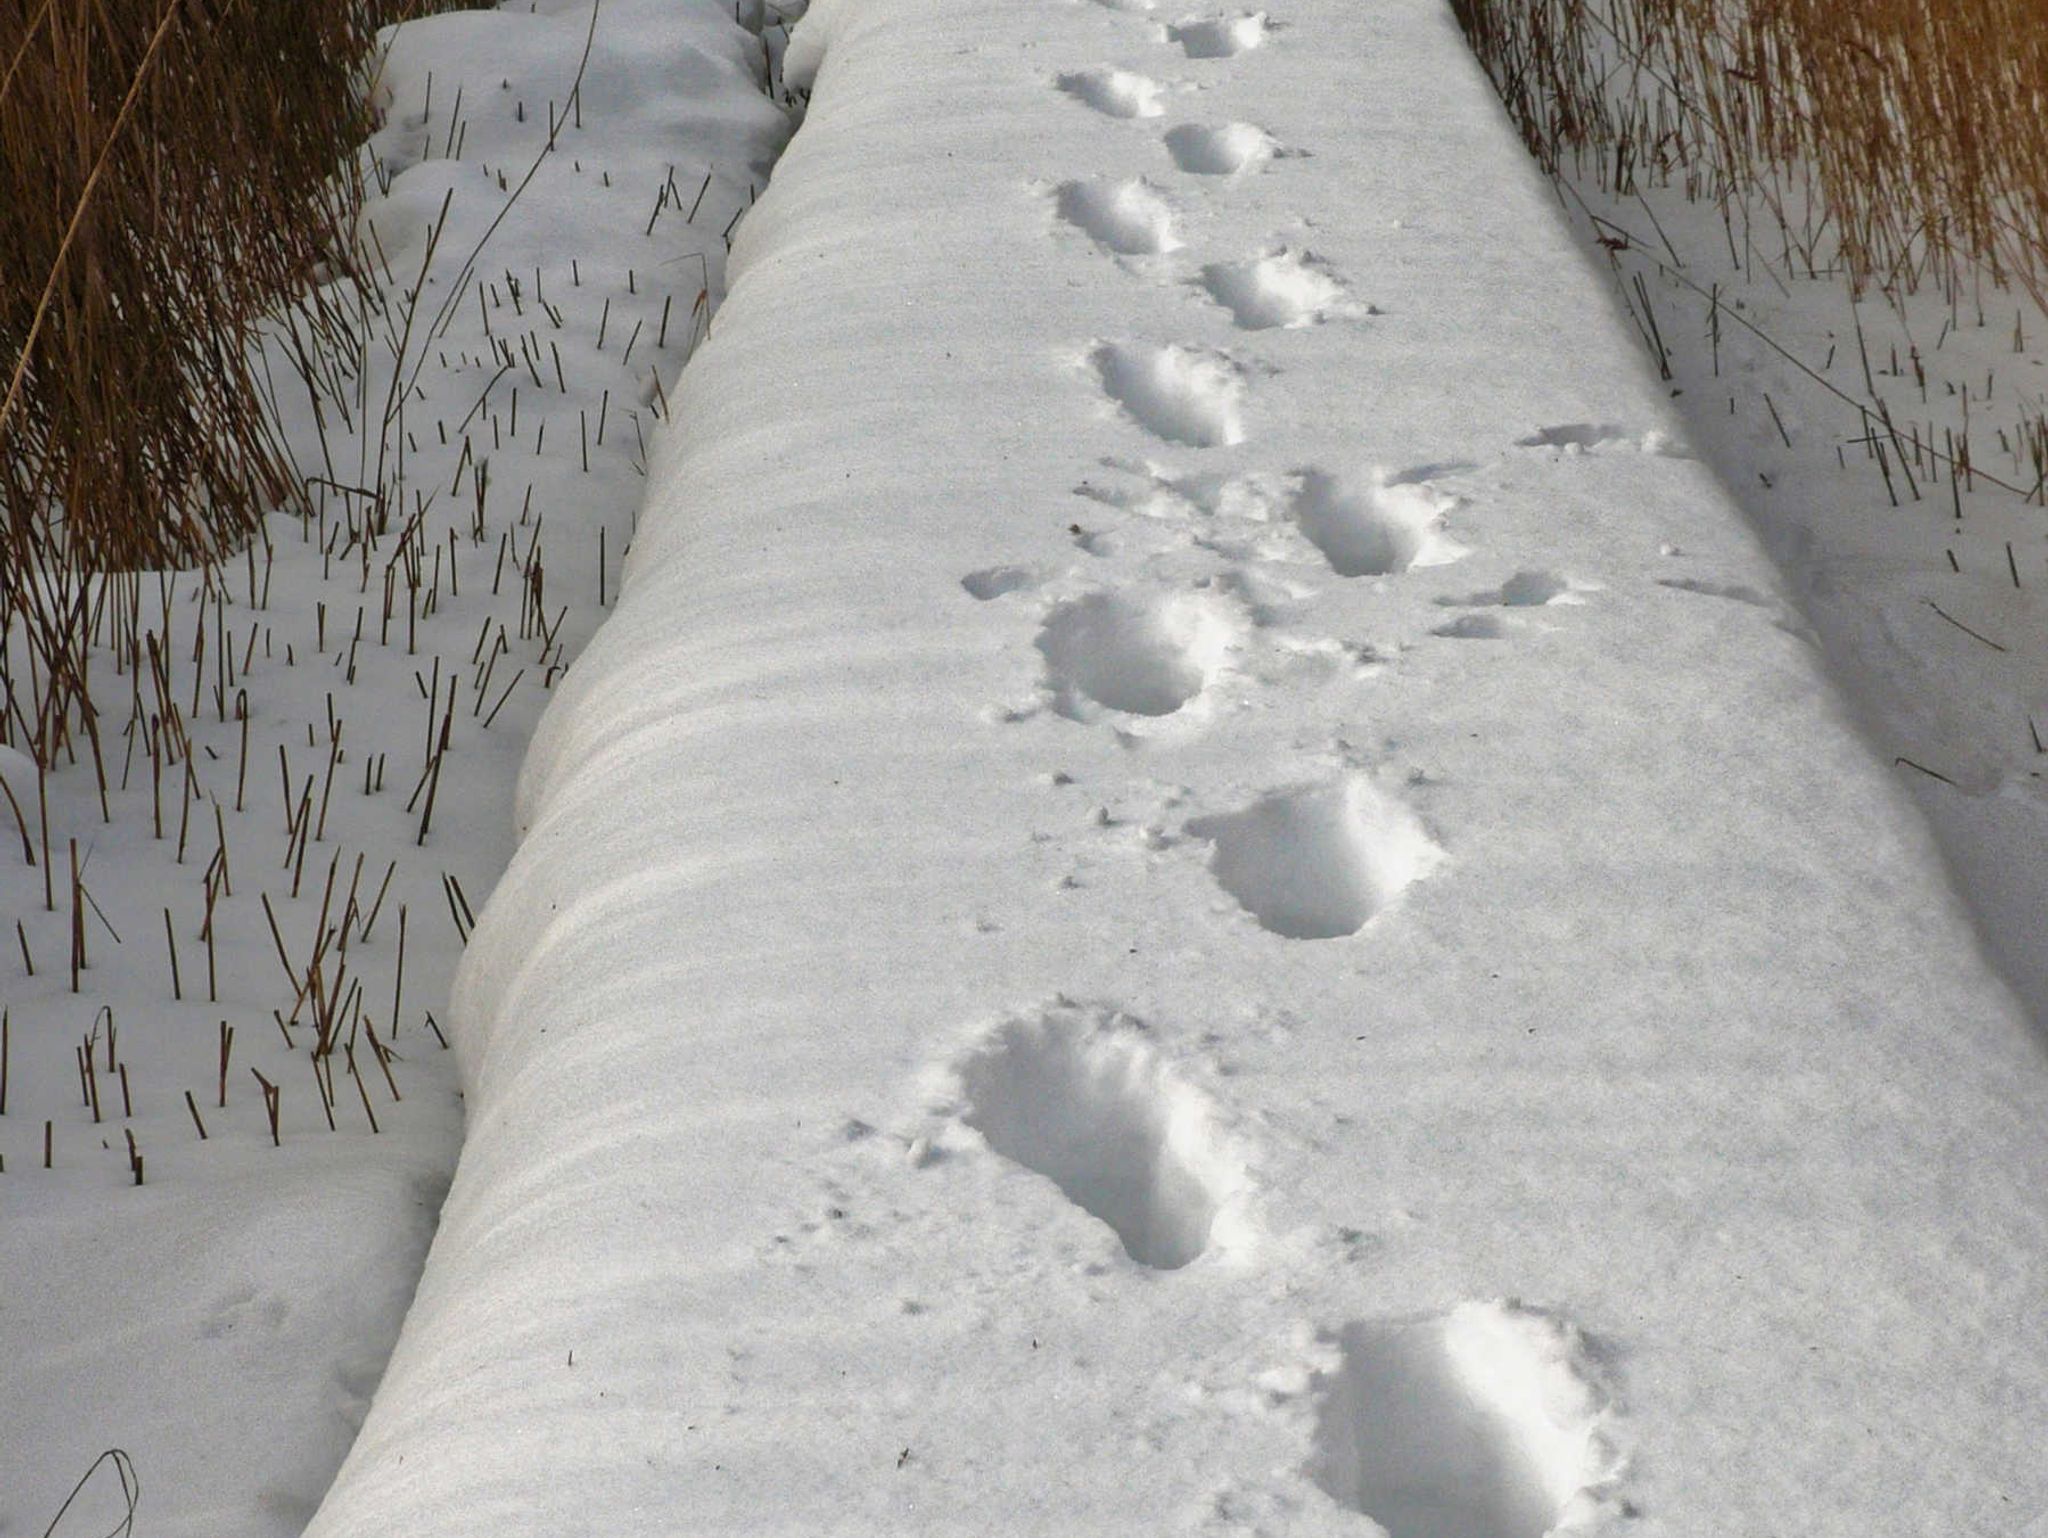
(1922, 567)
(1201, 884)
(225, 1322)
(1200, 888)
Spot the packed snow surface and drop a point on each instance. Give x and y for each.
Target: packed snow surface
(1144, 921)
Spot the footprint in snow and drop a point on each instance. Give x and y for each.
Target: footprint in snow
(1376, 528)
(1472, 627)
(1781, 613)
(1181, 394)
(1483, 1422)
(1163, 494)
(1594, 437)
(1129, 218)
(1317, 862)
(1115, 92)
(1219, 37)
(1279, 288)
(1085, 1098)
(1524, 590)
(995, 581)
(1736, 592)
(1223, 151)
(1137, 654)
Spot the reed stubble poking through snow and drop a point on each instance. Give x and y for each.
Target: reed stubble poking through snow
(285, 762)
(168, 174)
(1827, 226)
(1896, 137)
(1894, 146)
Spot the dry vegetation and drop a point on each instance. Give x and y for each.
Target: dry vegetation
(168, 170)
(1895, 140)
(1895, 146)
(229, 727)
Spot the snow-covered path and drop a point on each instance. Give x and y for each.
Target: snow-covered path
(1188, 793)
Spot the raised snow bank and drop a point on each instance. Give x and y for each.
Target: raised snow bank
(1680, 1035)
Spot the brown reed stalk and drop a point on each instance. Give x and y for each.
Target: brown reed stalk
(171, 171)
(1897, 139)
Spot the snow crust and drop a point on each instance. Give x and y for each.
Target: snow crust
(892, 1110)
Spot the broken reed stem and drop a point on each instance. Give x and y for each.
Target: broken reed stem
(77, 920)
(349, 1053)
(272, 1099)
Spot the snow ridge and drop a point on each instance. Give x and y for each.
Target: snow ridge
(1011, 624)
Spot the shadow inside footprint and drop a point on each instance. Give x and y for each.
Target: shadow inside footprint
(1736, 592)
(1472, 627)
(1128, 218)
(1374, 530)
(1471, 1424)
(1219, 37)
(1317, 862)
(1593, 437)
(1280, 288)
(1137, 654)
(1180, 394)
(1221, 151)
(1083, 1099)
(1524, 590)
(995, 581)
(1115, 92)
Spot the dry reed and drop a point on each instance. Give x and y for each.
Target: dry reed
(170, 171)
(1895, 140)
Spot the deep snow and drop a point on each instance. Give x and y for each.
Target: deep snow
(1200, 887)
(1922, 580)
(226, 1323)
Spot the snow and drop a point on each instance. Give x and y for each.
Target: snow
(915, 1084)
(1487, 1419)
(1922, 586)
(226, 1322)
(1201, 884)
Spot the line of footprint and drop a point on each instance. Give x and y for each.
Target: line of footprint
(1310, 861)
(1485, 1419)
(1424, 1425)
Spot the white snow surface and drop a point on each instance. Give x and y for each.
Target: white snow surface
(1038, 997)
(225, 1322)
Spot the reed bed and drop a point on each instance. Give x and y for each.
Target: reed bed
(1895, 141)
(169, 170)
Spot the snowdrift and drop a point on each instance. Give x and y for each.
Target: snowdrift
(1201, 888)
